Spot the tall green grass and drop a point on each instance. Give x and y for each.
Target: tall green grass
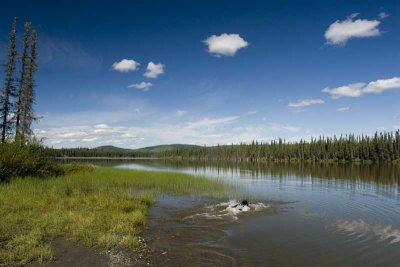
(102, 207)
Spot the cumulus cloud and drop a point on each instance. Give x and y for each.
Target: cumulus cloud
(382, 85)
(126, 65)
(154, 70)
(359, 89)
(145, 86)
(305, 102)
(351, 90)
(339, 32)
(225, 44)
(343, 109)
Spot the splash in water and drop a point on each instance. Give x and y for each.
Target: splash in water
(229, 210)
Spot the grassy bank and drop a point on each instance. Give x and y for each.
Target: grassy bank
(102, 207)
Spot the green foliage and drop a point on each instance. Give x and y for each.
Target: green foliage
(163, 148)
(382, 147)
(116, 152)
(102, 207)
(28, 95)
(25, 159)
(23, 72)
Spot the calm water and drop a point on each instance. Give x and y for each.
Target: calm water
(312, 215)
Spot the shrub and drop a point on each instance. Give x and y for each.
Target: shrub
(18, 159)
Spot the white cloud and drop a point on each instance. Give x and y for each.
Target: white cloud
(153, 129)
(154, 70)
(359, 89)
(382, 85)
(305, 102)
(225, 44)
(343, 109)
(207, 122)
(396, 127)
(201, 131)
(126, 65)
(383, 15)
(351, 90)
(145, 86)
(340, 32)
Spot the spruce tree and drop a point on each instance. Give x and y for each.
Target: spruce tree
(23, 79)
(8, 91)
(28, 115)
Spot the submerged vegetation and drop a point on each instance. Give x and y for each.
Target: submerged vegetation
(381, 147)
(97, 207)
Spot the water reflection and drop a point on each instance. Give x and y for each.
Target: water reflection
(383, 174)
(336, 174)
(316, 215)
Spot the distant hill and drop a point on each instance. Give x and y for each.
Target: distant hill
(112, 149)
(150, 149)
(162, 148)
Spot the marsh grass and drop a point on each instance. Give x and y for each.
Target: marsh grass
(99, 208)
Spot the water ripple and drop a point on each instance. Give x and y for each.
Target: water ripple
(361, 229)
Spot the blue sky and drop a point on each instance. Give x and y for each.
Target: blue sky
(217, 71)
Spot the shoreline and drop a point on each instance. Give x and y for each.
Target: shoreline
(102, 208)
(69, 253)
(239, 161)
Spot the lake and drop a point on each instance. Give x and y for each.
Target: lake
(301, 215)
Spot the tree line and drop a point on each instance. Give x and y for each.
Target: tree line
(381, 147)
(17, 96)
(94, 152)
